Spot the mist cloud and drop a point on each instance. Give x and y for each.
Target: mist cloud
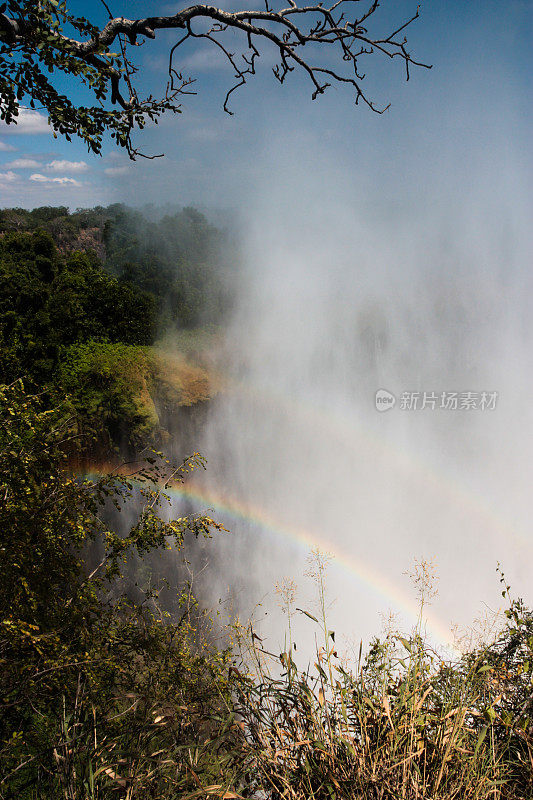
(349, 289)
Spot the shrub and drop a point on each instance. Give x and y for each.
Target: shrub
(99, 697)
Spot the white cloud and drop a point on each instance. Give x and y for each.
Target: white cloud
(23, 163)
(71, 166)
(205, 134)
(5, 147)
(28, 122)
(112, 171)
(204, 60)
(8, 177)
(38, 178)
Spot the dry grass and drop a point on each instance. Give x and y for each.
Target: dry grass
(401, 723)
(178, 381)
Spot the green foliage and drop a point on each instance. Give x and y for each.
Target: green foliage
(48, 300)
(67, 324)
(109, 387)
(35, 49)
(64, 226)
(96, 695)
(178, 257)
(183, 260)
(118, 393)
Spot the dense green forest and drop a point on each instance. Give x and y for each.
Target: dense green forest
(178, 258)
(114, 683)
(84, 296)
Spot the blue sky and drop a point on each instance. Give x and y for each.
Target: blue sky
(447, 127)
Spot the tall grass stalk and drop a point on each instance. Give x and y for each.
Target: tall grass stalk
(401, 723)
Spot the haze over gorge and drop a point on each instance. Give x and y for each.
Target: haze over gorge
(334, 306)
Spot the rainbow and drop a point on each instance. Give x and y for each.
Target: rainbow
(348, 432)
(364, 572)
(355, 567)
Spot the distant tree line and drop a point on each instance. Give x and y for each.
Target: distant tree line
(109, 274)
(179, 257)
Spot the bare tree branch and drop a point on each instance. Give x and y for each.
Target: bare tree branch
(326, 42)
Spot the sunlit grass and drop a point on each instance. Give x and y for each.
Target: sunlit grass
(402, 722)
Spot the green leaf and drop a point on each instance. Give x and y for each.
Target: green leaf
(307, 614)
(481, 739)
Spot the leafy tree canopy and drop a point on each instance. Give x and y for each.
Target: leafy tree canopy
(50, 300)
(83, 295)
